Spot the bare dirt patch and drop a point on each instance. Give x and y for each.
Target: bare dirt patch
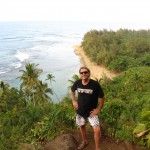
(71, 139)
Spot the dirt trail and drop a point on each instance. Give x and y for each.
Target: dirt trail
(70, 140)
(97, 71)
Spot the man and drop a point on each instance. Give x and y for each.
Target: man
(87, 105)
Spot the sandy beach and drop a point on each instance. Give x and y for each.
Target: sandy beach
(97, 71)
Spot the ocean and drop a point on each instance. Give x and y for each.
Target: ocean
(49, 44)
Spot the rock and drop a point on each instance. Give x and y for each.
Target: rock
(62, 142)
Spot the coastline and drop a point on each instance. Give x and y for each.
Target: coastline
(97, 71)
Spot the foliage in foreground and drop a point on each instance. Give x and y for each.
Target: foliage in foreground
(28, 115)
(127, 106)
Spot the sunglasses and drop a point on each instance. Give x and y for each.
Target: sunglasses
(85, 72)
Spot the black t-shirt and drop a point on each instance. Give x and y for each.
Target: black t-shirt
(87, 96)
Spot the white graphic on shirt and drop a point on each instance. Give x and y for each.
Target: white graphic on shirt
(88, 91)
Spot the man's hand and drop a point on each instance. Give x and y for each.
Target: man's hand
(99, 108)
(75, 104)
(95, 112)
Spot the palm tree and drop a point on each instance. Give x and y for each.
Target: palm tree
(3, 86)
(75, 77)
(30, 80)
(4, 95)
(30, 75)
(50, 77)
(41, 93)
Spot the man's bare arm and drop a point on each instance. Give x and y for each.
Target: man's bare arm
(101, 103)
(74, 102)
(99, 108)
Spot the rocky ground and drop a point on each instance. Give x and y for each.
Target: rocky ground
(71, 139)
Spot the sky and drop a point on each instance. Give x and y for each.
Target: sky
(106, 11)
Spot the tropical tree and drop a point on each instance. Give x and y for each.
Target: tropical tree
(50, 77)
(30, 80)
(3, 86)
(75, 77)
(118, 50)
(41, 93)
(4, 95)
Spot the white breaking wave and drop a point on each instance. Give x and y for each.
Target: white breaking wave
(21, 56)
(16, 65)
(1, 72)
(4, 70)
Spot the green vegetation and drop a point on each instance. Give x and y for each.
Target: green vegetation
(127, 105)
(28, 115)
(118, 50)
(126, 113)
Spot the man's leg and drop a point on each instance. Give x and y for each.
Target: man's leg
(97, 137)
(81, 124)
(94, 121)
(83, 133)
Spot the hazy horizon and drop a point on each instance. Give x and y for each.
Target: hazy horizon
(123, 13)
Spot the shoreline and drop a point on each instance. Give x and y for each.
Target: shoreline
(97, 71)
